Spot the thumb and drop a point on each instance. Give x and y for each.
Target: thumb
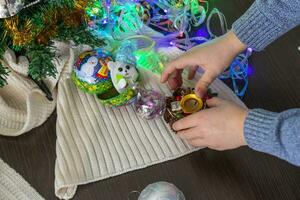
(214, 102)
(202, 85)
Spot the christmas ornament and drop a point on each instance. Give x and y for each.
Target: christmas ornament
(124, 72)
(150, 104)
(183, 103)
(114, 82)
(114, 99)
(161, 190)
(124, 76)
(91, 73)
(191, 103)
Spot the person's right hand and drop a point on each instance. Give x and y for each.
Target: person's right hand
(213, 57)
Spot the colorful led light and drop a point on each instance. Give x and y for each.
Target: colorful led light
(117, 20)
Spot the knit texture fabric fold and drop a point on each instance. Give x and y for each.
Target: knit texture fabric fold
(23, 106)
(13, 186)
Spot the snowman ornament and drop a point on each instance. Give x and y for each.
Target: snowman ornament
(87, 69)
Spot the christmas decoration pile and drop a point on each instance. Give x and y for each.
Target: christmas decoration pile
(115, 82)
(111, 72)
(183, 103)
(114, 79)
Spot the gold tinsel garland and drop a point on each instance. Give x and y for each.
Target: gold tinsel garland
(23, 36)
(20, 37)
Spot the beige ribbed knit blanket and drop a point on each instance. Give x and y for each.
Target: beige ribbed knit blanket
(13, 186)
(94, 142)
(22, 104)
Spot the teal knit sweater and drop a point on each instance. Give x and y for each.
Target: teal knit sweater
(273, 133)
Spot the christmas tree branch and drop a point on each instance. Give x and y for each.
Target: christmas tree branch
(41, 65)
(3, 75)
(30, 32)
(3, 43)
(40, 61)
(79, 35)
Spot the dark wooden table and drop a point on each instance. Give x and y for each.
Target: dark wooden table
(207, 174)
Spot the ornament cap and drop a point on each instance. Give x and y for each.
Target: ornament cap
(191, 103)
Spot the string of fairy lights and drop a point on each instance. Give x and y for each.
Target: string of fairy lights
(177, 21)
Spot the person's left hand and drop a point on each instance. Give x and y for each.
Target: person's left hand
(219, 127)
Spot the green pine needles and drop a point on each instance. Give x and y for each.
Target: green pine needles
(49, 20)
(79, 35)
(40, 65)
(3, 44)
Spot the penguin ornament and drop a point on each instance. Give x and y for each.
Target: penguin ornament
(114, 82)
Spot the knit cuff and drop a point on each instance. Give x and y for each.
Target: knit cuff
(259, 130)
(255, 30)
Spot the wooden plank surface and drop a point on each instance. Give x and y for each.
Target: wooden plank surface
(236, 174)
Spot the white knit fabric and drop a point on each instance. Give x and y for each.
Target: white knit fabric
(23, 106)
(93, 142)
(13, 186)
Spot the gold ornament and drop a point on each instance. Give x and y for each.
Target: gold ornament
(191, 103)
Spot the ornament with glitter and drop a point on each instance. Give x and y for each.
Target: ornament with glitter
(150, 104)
(161, 190)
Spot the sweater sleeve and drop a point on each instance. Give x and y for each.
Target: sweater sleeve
(265, 21)
(277, 134)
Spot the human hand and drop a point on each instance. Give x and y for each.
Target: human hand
(219, 127)
(214, 57)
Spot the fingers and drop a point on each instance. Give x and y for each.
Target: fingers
(186, 122)
(199, 142)
(175, 80)
(214, 102)
(178, 64)
(194, 137)
(189, 134)
(207, 78)
(192, 72)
